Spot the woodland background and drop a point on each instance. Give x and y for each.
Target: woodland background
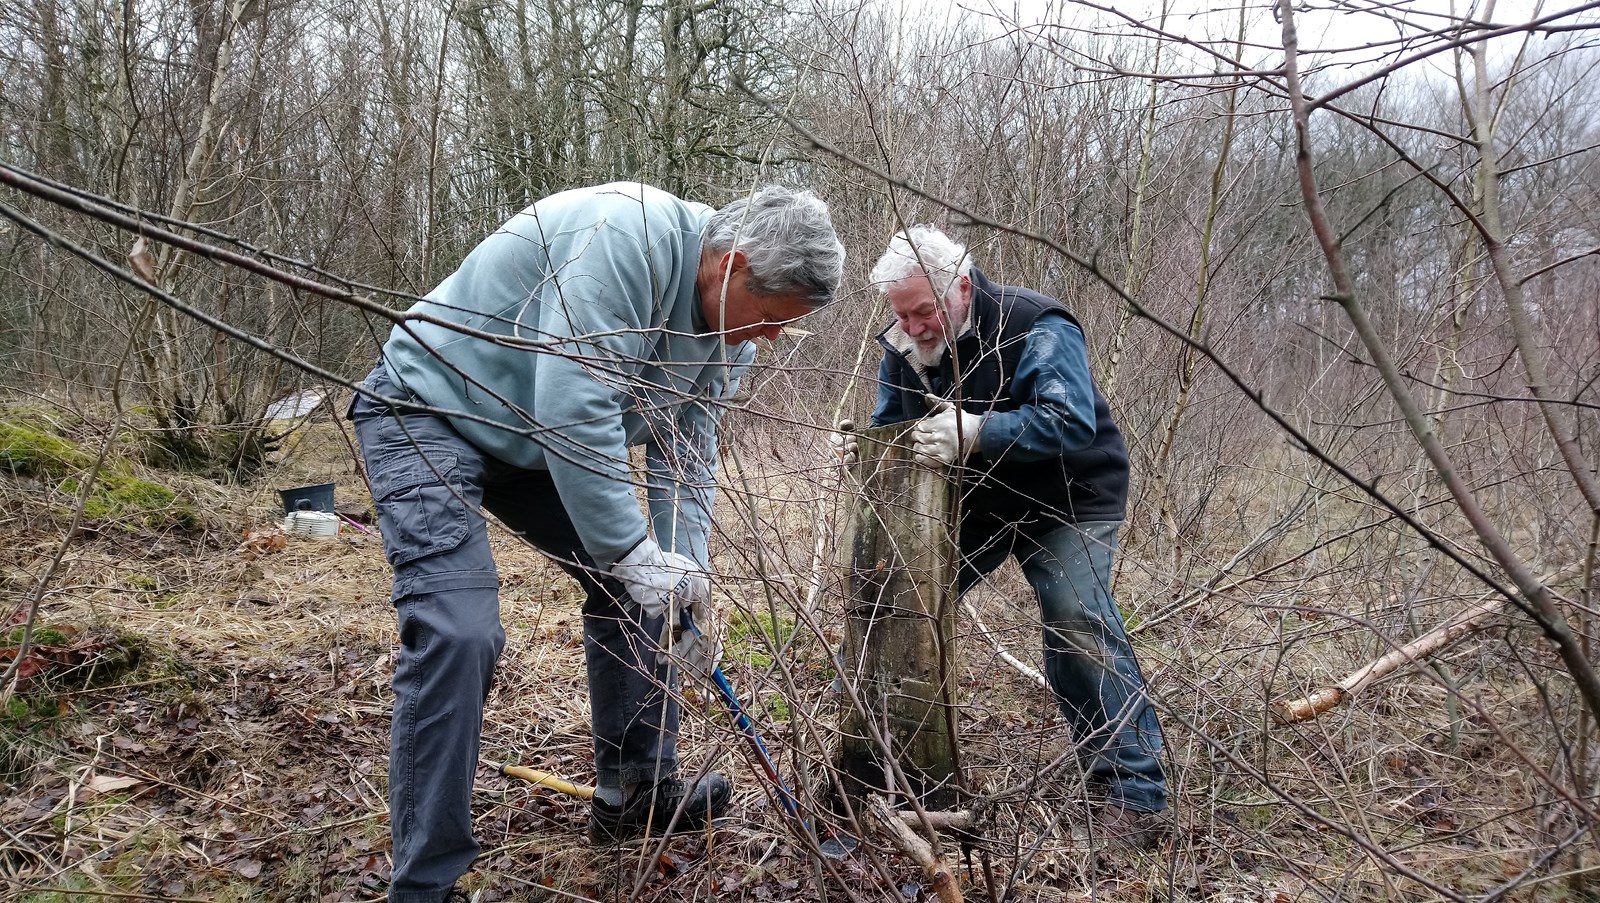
(1344, 301)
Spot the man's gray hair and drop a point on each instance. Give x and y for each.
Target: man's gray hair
(788, 238)
(922, 250)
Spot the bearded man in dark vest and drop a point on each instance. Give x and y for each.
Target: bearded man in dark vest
(998, 379)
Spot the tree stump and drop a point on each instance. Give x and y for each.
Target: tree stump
(899, 649)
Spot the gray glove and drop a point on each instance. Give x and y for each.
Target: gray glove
(946, 434)
(842, 442)
(697, 642)
(661, 583)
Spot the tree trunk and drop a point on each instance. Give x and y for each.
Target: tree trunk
(899, 655)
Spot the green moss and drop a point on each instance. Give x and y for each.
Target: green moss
(30, 448)
(1130, 619)
(28, 452)
(156, 595)
(42, 636)
(161, 665)
(777, 707)
(23, 725)
(68, 883)
(42, 710)
(752, 637)
(135, 503)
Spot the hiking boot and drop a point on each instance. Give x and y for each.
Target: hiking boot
(654, 804)
(1130, 829)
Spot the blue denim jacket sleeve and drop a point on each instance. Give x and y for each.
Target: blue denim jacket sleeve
(1056, 395)
(888, 408)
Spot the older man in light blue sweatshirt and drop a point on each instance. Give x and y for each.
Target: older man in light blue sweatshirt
(597, 319)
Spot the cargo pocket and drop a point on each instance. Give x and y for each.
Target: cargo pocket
(422, 510)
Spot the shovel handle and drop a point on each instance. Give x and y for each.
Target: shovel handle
(546, 779)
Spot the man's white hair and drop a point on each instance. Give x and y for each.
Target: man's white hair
(922, 250)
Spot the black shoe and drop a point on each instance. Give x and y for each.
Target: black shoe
(654, 805)
(1130, 829)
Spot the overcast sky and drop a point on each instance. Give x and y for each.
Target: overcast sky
(1355, 32)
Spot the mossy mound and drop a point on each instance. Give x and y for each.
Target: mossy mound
(135, 504)
(43, 635)
(31, 448)
(29, 452)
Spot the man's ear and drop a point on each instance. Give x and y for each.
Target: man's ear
(734, 261)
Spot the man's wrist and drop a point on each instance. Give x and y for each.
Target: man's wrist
(645, 551)
(974, 436)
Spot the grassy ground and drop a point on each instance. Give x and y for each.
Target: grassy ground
(216, 729)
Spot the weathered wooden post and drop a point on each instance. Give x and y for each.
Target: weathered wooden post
(899, 649)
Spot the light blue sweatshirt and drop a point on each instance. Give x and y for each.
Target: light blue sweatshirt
(598, 343)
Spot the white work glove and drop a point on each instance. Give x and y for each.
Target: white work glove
(698, 648)
(946, 434)
(842, 442)
(661, 583)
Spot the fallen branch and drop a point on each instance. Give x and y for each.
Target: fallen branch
(1533, 597)
(1447, 634)
(957, 820)
(934, 868)
(1439, 638)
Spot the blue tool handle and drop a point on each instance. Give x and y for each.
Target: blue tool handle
(749, 730)
(746, 726)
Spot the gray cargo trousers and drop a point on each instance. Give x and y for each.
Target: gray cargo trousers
(428, 483)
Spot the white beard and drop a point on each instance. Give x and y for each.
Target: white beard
(929, 357)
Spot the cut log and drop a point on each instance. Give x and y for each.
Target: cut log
(899, 649)
(957, 820)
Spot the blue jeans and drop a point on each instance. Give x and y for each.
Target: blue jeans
(428, 483)
(1087, 657)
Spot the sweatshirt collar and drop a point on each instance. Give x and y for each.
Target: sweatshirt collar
(697, 311)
